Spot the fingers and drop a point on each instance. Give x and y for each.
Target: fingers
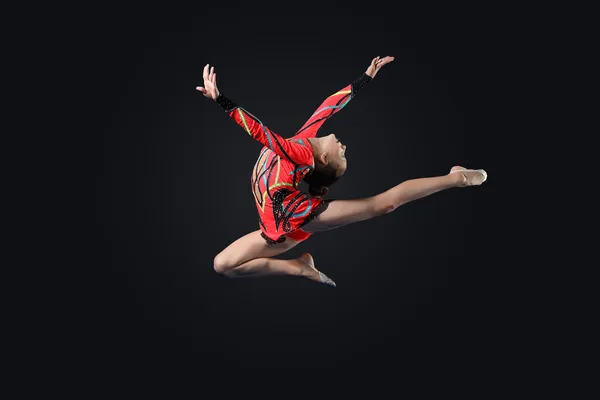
(210, 82)
(385, 60)
(382, 61)
(209, 75)
(203, 91)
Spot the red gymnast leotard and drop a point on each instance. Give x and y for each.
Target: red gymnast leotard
(282, 164)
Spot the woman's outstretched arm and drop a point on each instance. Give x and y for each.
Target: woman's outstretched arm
(338, 100)
(296, 153)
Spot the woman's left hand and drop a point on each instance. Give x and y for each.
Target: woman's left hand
(210, 83)
(376, 65)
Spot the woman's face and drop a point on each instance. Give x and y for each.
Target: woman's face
(336, 153)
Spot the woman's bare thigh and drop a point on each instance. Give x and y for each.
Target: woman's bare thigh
(252, 246)
(344, 212)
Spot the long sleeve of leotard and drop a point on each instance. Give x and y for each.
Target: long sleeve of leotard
(296, 153)
(332, 105)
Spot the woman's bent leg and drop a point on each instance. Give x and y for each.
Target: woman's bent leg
(251, 256)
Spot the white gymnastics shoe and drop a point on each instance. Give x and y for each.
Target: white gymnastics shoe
(473, 177)
(307, 259)
(326, 280)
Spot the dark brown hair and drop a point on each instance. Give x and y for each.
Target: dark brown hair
(323, 176)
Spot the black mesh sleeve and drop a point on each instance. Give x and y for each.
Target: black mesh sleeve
(224, 102)
(359, 83)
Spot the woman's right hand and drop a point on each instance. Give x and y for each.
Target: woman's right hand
(210, 83)
(376, 65)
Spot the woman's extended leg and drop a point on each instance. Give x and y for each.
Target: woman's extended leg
(250, 256)
(344, 212)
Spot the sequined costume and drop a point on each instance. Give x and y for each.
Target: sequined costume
(282, 164)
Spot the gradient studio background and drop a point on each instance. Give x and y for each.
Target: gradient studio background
(172, 189)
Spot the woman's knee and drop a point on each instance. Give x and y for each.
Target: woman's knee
(382, 205)
(221, 264)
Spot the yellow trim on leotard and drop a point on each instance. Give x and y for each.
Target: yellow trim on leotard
(341, 92)
(244, 121)
(273, 186)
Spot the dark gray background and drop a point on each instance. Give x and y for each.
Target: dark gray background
(424, 287)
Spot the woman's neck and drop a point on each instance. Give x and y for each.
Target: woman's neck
(316, 145)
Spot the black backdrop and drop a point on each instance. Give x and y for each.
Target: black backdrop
(420, 288)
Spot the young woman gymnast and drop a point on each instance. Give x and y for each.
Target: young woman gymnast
(288, 216)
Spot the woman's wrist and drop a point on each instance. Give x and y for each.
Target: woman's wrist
(360, 82)
(224, 102)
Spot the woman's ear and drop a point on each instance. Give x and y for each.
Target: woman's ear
(323, 158)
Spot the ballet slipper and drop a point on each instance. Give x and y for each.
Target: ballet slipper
(473, 177)
(322, 277)
(326, 280)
